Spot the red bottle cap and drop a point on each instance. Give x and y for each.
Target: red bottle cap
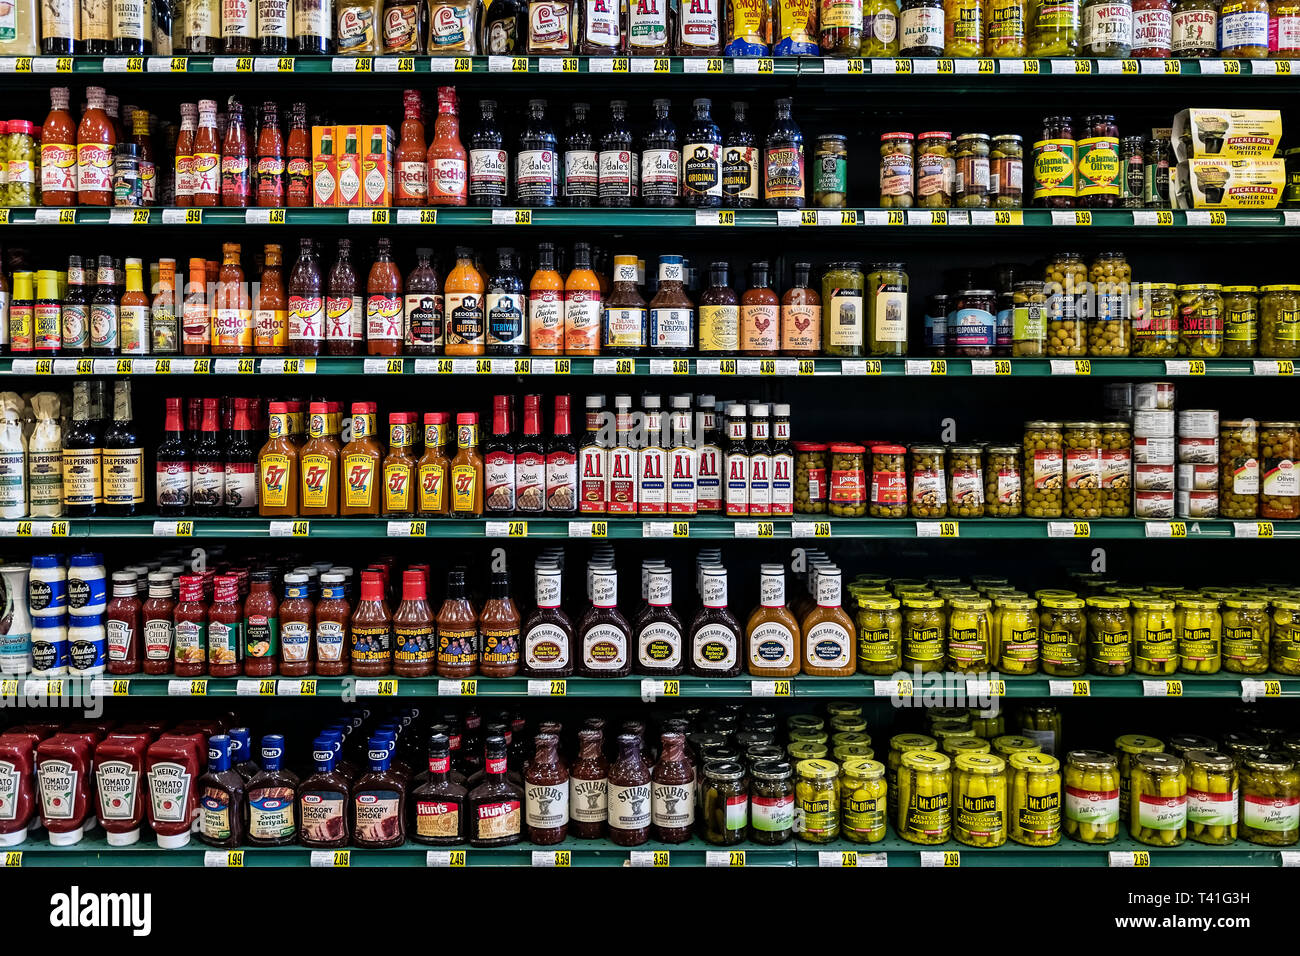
(372, 586)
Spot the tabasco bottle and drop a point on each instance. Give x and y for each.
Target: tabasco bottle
(499, 462)
(277, 468)
(298, 161)
(59, 152)
(448, 162)
(232, 323)
(432, 468)
(270, 158)
(306, 332)
(207, 157)
(95, 141)
(385, 320)
(236, 173)
(467, 470)
(412, 155)
(400, 466)
(319, 496)
(270, 332)
(360, 464)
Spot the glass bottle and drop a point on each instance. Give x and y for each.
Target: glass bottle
(719, 313)
(715, 632)
(488, 164)
(604, 634)
(448, 163)
(660, 159)
(536, 164)
(619, 173)
(582, 311)
(741, 172)
(530, 461)
(105, 323)
(499, 461)
(783, 160)
(232, 323)
(505, 28)
(385, 320)
(588, 786)
(672, 798)
(628, 794)
(659, 629)
(457, 624)
(702, 155)
(83, 485)
(360, 465)
(801, 315)
(581, 161)
(173, 469)
(760, 317)
(548, 633)
(437, 806)
(505, 307)
(623, 326)
(306, 322)
(561, 463)
(123, 461)
(423, 305)
(672, 314)
(546, 793)
(236, 165)
(493, 806)
(345, 317)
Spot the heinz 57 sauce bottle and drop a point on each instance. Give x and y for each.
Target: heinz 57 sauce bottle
(433, 497)
(277, 467)
(360, 460)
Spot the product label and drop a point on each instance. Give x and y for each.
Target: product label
(270, 813)
(488, 171)
(94, 168)
(714, 647)
(158, 639)
(82, 477)
(673, 328)
(359, 480)
(604, 647)
(1092, 807)
(457, 647)
(169, 789)
(1054, 168)
(505, 318)
(295, 641)
(436, 818)
(629, 807)
(1152, 30)
(329, 640)
(588, 800)
(660, 173)
(740, 173)
(1275, 814)
(771, 645)
(772, 814)
(214, 814)
(57, 781)
(672, 805)
(1162, 813)
(465, 324)
(1244, 473)
(371, 644)
(377, 816)
(118, 783)
(536, 172)
(783, 176)
(546, 806)
(320, 817)
(1280, 479)
(702, 165)
(546, 647)
(1212, 809)
(659, 645)
(1243, 29)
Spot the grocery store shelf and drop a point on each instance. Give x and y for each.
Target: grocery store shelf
(699, 527)
(724, 366)
(1155, 221)
(93, 851)
(922, 690)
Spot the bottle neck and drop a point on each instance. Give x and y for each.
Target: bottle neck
(562, 426)
(172, 421)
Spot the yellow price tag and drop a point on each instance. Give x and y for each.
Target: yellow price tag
(951, 858)
(8, 688)
(938, 367)
(67, 217)
(821, 529)
(671, 688)
(1129, 67)
(726, 217)
(185, 529)
(945, 66)
(986, 66)
(523, 217)
(1141, 858)
(1232, 68)
(1178, 529)
(872, 367)
(1217, 216)
(807, 367)
(121, 688)
(202, 366)
(600, 529)
(766, 529)
(363, 64)
(1080, 688)
(301, 529)
(735, 858)
(1173, 688)
(1164, 217)
(681, 366)
(483, 366)
(139, 217)
(849, 859)
(727, 367)
(902, 66)
(179, 64)
(342, 858)
(620, 65)
(767, 366)
(808, 217)
(1082, 66)
(1031, 67)
(284, 64)
(1082, 217)
(58, 529)
(193, 217)
(681, 529)
(562, 858)
(469, 688)
(949, 529)
(1272, 688)
(1002, 367)
(518, 529)
(45, 366)
(386, 688)
(1082, 367)
(406, 64)
(559, 688)
(519, 64)
(624, 366)
(307, 688)
(562, 366)
(765, 65)
(904, 688)
(162, 366)
(198, 688)
(848, 217)
(895, 217)
(1081, 529)
(713, 65)
(523, 366)
(939, 217)
(428, 217)
(13, 858)
(85, 366)
(54, 688)
(997, 688)
(1173, 67)
(394, 366)
(266, 688)
(662, 64)
(1008, 217)
(1196, 367)
(63, 64)
(1265, 529)
(456, 858)
(1285, 367)
(245, 366)
(379, 217)
(244, 64)
(569, 64)
(23, 64)
(856, 65)
(781, 688)
(4, 217)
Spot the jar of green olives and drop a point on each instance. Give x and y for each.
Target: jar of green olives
(924, 629)
(1109, 327)
(1270, 799)
(1065, 282)
(1002, 481)
(970, 635)
(980, 799)
(863, 801)
(936, 170)
(929, 482)
(1211, 797)
(1028, 320)
(1006, 171)
(1082, 470)
(1127, 749)
(888, 481)
(771, 790)
(972, 182)
(1279, 448)
(966, 481)
(725, 798)
(1091, 797)
(1246, 633)
(830, 171)
(1238, 468)
(1155, 320)
(1279, 321)
(816, 801)
(1044, 471)
(1155, 649)
(1157, 812)
(809, 478)
(1240, 321)
(880, 634)
(847, 491)
(1200, 320)
(1035, 809)
(1015, 630)
(1199, 633)
(1286, 635)
(896, 179)
(924, 798)
(1110, 636)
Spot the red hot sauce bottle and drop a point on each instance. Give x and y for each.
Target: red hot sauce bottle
(122, 621)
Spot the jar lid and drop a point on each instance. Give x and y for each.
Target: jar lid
(809, 446)
(928, 761)
(804, 722)
(888, 266)
(965, 449)
(934, 604)
(905, 743)
(895, 136)
(1241, 288)
(839, 449)
(850, 737)
(1159, 763)
(803, 750)
(1151, 603)
(1014, 743)
(1162, 286)
(1278, 425)
(980, 763)
(934, 134)
(841, 137)
(1015, 603)
(957, 746)
(1138, 744)
(971, 603)
(1198, 603)
(817, 770)
(724, 770)
(930, 450)
(1091, 760)
(1032, 762)
(1201, 287)
(983, 136)
(1209, 759)
(863, 768)
(878, 602)
(1041, 425)
(843, 752)
(771, 770)
(888, 450)
(965, 292)
(1279, 288)
(1017, 137)
(1108, 603)
(1246, 604)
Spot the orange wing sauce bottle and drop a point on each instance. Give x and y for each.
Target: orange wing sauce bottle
(277, 468)
(467, 469)
(361, 465)
(399, 466)
(582, 305)
(433, 467)
(546, 305)
(232, 315)
(270, 319)
(463, 306)
(319, 465)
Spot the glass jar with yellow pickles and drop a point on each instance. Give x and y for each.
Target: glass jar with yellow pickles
(1155, 320)
(901, 744)
(1200, 635)
(1065, 281)
(863, 802)
(953, 718)
(1270, 799)
(1200, 320)
(1246, 632)
(1110, 636)
(1034, 817)
(1211, 797)
(880, 634)
(1091, 797)
(1054, 28)
(816, 801)
(988, 723)
(979, 796)
(1240, 321)
(1157, 812)
(1044, 473)
(1286, 635)
(970, 634)
(1279, 321)
(1155, 649)
(944, 734)
(956, 746)
(1127, 747)
(924, 798)
(880, 28)
(1008, 745)
(1005, 28)
(1041, 723)
(1062, 635)
(1015, 629)
(963, 28)
(924, 630)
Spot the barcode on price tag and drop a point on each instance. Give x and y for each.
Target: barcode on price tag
(331, 858)
(649, 858)
(1162, 688)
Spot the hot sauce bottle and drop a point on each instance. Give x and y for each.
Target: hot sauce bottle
(437, 805)
(298, 162)
(372, 632)
(457, 624)
(411, 158)
(207, 175)
(499, 630)
(95, 141)
(232, 327)
(385, 322)
(323, 800)
(345, 317)
(306, 320)
(271, 796)
(221, 797)
(399, 466)
(270, 158)
(59, 152)
(122, 624)
(277, 467)
(261, 646)
(159, 625)
(467, 469)
(464, 306)
(236, 171)
(448, 161)
(196, 327)
(333, 616)
(413, 637)
(360, 464)
(270, 331)
(191, 630)
(431, 470)
(629, 794)
(184, 156)
(493, 806)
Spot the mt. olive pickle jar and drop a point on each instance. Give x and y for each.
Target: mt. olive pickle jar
(844, 324)
(896, 180)
(886, 306)
(830, 171)
(771, 797)
(929, 491)
(1008, 745)
(1065, 283)
(847, 489)
(1054, 154)
(1006, 172)
(1155, 320)
(936, 170)
(1279, 321)
(921, 28)
(1110, 636)
(1028, 320)
(1054, 28)
(1240, 321)
(963, 28)
(1015, 631)
(1061, 631)
(817, 803)
(979, 799)
(970, 635)
(1002, 481)
(966, 481)
(1116, 469)
(1200, 320)
(863, 803)
(888, 481)
(1279, 447)
(1043, 474)
(880, 634)
(924, 628)
(1200, 635)
(1238, 469)
(1155, 650)
(1091, 797)
(924, 799)
(972, 184)
(1108, 326)
(1004, 28)
(1270, 799)
(1246, 635)
(1211, 797)
(1035, 810)
(1157, 805)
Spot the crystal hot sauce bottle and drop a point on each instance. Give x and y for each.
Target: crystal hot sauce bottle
(412, 155)
(385, 321)
(448, 162)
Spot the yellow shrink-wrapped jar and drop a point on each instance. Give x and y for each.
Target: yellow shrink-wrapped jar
(1005, 28)
(1155, 649)
(1200, 635)
(1015, 626)
(880, 634)
(963, 28)
(1091, 797)
(842, 737)
(1041, 723)
(924, 629)
(863, 804)
(901, 744)
(1240, 321)
(1035, 809)
(1062, 633)
(1157, 810)
(1211, 797)
(1054, 29)
(954, 747)
(1110, 636)
(1270, 799)
(924, 798)
(1246, 633)
(989, 723)
(816, 802)
(1286, 635)
(798, 750)
(979, 800)
(842, 752)
(1127, 747)
(970, 635)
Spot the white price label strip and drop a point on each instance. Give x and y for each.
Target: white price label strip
(940, 858)
(1289, 857)
(445, 858)
(850, 859)
(331, 859)
(656, 858)
(223, 858)
(727, 858)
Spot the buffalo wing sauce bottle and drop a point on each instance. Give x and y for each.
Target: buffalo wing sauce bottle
(413, 629)
(463, 306)
(372, 630)
(323, 800)
(457, 624)
(232, 312)
(432, 482)
(604, 634)
(360, 465)
(277, 467)
(548, 633)
(270, 318)
(467, 469)
(773, 647)
(437, 806)
(400, 466)
(319, 465)
(448, 161)
(411, 156)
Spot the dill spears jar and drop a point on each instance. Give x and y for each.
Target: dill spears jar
(1035, 809)
(980, 800)
(1091, 797)
(1211, 797)
(1158, 800)
(924, 798)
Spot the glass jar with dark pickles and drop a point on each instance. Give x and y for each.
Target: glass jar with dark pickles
(725, 811)
(771, 795)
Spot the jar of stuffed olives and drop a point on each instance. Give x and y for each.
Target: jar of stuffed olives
(1240, 321)
(936, 170)
(1238, 469)
(847, 491)
(1108, 325)
(1279, 446)
(924, 629)
(1246, 635)
(1279, 321)
(924, 799)
(1007, 171)
(1091, 797)
(725, 803)
(972, 183)
(863, 802)
(888, 481)
(929, 482)
(1199, 634)
(1035, 808)
(970, 635)
(988, 723)
(1200, 320)
(1127, 748)
(1028, 320)
(1065, 283)
(771, 794)
(880, 634)
(1155, 320)
(1270, 799)
(966, 481)
(979, 788)
(1286, 635)
(1054, 29)
(1211, 797)
(1044, 471)
(896, 179)
(1110, 636)
(809, 478)
(1002, 481)
(1155, 649)
(1157, 809)
(1015, 634)
(1082, 470)
(830, 171)
(1116, 469)
(899, 745)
